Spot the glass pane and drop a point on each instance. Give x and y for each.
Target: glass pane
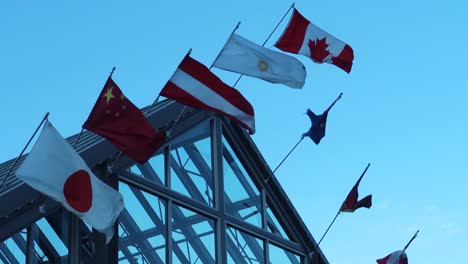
(242, 198)
(54, 239)
(142, 228)
(273, 225)
(281, 256)
(193, 237)
(243, 248)
(13, 249)
(152, 170)
(191, 172)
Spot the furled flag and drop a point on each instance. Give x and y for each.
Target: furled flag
(351, 203)
(319, 122)
(303, 37)
(56, 170)
(245, 57)
(193, 84)
(118, 120)
(397, 257)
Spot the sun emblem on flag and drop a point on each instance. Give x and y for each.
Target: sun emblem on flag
(262, 66)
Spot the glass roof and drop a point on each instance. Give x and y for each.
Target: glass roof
(179, 200)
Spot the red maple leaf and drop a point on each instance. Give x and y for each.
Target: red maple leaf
(318, 49)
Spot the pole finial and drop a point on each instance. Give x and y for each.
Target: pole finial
(237, 26)
(112, 72)
(334, 102)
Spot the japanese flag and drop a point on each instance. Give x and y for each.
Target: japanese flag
(55, 169)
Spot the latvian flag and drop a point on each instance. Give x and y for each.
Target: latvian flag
(193, 84)
(303, 37)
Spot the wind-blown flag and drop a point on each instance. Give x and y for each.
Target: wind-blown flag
(303, 37)
(118, 120)
(56, 170)
(397, 257)
(317, 128)
(318, 123)
(351, 202)
(245, 57)
(193, 84)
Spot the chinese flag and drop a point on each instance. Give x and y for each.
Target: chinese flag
(119, 121)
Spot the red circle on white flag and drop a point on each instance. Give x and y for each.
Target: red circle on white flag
(78, 191)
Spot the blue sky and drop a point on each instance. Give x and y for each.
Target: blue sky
(403, 107)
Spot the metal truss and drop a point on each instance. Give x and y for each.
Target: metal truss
(214, 216)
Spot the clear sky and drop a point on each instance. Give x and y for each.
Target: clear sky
(403, 109)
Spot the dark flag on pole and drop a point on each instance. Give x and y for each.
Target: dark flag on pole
(118, 120)
(352, 203)
(319, 122)
(317, 129)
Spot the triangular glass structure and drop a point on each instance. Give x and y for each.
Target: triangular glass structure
(202, 198)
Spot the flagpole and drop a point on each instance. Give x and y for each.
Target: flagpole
(159, 95)
(269, 36)
(224, 46)
(287, 155)
(334, 102)
(339, 211)
(364, 172)
(146, 114)
(328, 109)
(211, 66)
(82, 129)
(46, 116)
(326, 231)
(411, 240)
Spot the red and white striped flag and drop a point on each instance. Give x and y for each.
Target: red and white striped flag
(193, 84)
(303, 37)
(397, 257)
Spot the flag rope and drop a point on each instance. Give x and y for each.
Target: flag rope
(46, 116)
(269, 36)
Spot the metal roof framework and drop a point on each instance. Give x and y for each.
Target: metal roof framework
(202, 198)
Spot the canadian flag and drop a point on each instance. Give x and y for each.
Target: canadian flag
(55, 169)
(397, 257)
(303, 37)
